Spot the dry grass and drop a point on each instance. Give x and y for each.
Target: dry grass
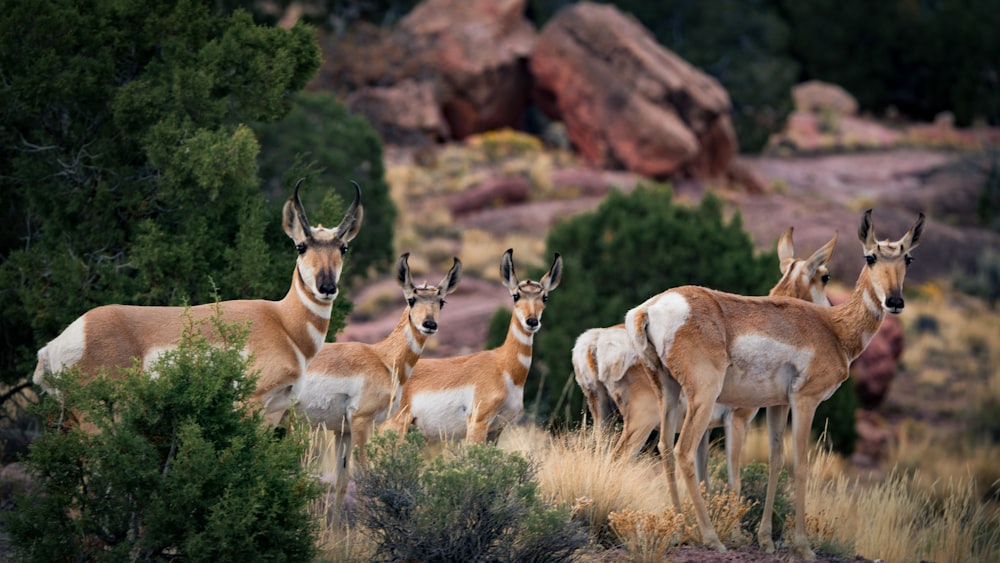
(647, 535)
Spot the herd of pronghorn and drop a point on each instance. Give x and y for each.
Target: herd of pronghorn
(687, 358)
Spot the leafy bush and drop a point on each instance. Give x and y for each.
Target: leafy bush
(754, 490)
(128, 175)
(174, 470)
(470, 503)
(835, 419)
(632, 247)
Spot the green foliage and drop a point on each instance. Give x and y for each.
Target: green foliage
(753, 480)
(469, 503)
(174, 472)
(632, 247)
(320, 138)
(835, 419)
(128, 175)
(921, 58)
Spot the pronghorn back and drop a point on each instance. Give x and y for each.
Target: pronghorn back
(284, 335)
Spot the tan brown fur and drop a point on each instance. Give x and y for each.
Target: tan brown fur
(473, 395)
(775, 352)
(350, 386)
(284, 335)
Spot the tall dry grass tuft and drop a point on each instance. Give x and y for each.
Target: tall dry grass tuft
(648, 536)
(725, 509)
(579, 465)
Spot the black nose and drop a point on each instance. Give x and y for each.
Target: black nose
(532, 322)
(894, 302)
(430, 325)
(328, 288)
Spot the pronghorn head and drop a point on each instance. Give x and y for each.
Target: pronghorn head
(321, 250)
(804, 279)
(887, 261)
(529, 296)
(425, 301)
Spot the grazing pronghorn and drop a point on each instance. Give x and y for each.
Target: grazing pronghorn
(606, 357)
(284, 335)
(753, 352)
(349, 386)
(477, 395)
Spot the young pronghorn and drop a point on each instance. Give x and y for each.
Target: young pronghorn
(606, 357)
(477, 395)
(753, 352)
(349, 386)
(284, 335)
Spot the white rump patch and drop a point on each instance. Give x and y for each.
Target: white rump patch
(665, 317)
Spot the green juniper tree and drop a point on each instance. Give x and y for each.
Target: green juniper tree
(128, 166)
(174, 470)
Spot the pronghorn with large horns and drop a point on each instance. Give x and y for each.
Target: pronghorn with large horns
(475, 396)
(350, 386)
(284, 335)
(775, 352)
(606, 359)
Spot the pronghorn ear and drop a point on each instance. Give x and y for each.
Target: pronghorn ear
(403, 274)
(912, 237)
(450, 281)
(507, 270)
(786, 251)
(821, 256)
(294, 217)
(866, 233)
(349, 227)
(552, 278)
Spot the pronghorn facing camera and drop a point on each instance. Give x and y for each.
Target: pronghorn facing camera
(284, 335)
(350, 386)
(775, 352)
(477, 395)
(614, 367)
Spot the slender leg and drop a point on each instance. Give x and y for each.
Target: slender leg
(736, 433)
(803, 411)
(777, 418)
(699, 414)
(668, 427)
(701, 465)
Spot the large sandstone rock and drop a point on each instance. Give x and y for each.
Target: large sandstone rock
(818, 97)
(481, 50)
(450, 69)
(627, 101)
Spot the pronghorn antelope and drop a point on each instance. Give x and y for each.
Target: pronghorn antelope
(775, 352)
(606, 357)
(349, 386)
(284, 335)
(477, 395)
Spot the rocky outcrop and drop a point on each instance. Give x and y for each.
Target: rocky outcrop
(450, 69)
(819, 97)
(625, 100)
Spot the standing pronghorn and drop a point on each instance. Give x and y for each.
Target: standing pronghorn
(350, 386)
(284, 335)
(477, 395)
(606, 356)
(753, 352)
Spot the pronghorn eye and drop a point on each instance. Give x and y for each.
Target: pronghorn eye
(516, 296)
(343, 249)
(909, 259)
(825, 279)
(301, 247)
(411, 301)
(545, 299)
(442, 303)
(870, 258)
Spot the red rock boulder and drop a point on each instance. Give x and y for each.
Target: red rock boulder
(627, 101)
